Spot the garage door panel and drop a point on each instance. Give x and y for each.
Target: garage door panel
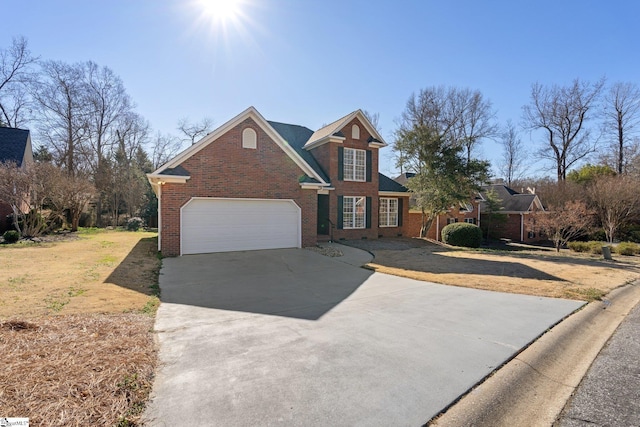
(221, 225)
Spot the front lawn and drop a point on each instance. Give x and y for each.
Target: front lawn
(76, 319)
(532, 272)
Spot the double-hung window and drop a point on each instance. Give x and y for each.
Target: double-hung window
(355, 165)
(388, 215)
(353, 212)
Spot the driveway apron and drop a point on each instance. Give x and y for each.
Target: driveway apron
(290, 337)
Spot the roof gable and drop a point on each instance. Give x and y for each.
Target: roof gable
(252, 113)
(297, 136)
(511, 200)
(334, 130)
(14, 145)
(389, 185)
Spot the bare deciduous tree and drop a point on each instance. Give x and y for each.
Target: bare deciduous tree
(621, 119)
(513, 154)
(163, 148)
(15, 190)
(15, 74)
(477, 120)
(195, 130)
(562, 113)
(63, 111)
(565, 222)
(616, 201)
(374, 119)
(108, 102)
(70, 193)
(461, 117)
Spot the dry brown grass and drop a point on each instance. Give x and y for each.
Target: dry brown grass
(76, 320)
(542, 273)
(105, 272)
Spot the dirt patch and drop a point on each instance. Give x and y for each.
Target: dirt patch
(76, 319)
(541, 273)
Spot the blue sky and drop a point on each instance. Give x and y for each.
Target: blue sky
(310, 62)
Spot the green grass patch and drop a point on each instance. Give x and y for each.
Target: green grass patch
(108, 260)
(588, 294)
(151, 306)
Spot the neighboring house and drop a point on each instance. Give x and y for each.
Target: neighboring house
(258, 184)
(520, 224)
(15, 147)
(463, 212)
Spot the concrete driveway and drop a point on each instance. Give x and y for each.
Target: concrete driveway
(290, 337)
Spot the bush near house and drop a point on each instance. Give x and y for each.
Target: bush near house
(627, 248)
(462, 234)
(11, 236)
(593, 247)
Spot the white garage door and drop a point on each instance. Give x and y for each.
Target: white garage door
(224, 225)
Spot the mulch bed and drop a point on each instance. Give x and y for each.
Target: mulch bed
(77, 370)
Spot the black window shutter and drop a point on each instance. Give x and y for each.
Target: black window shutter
(368, 213)
(368, 166)
(340, 212)
(400, 212)
(340, 164)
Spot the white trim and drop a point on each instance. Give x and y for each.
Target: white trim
(163, 179)
(322, 141)
(253, 114)
(393, 194)
(313, 186)
(342, 123)
(244, 199)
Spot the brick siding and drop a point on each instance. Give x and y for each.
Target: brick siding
(225, 169)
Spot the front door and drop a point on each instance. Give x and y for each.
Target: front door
(324, 225)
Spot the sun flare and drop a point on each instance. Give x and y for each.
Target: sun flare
(220, 10)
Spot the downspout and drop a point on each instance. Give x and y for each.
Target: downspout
(521, 227)
(438, 228)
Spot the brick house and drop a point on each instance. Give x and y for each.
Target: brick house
(463, 212)
(519, 208)
(15, 147)
(258, 184)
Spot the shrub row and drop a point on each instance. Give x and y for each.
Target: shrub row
(624, 248)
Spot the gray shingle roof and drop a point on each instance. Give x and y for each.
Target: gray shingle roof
(13, 143)
(297, 136)
(512, 201)
(177, 171)
(387, 184)
(404, 177)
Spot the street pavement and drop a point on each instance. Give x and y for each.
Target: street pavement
(609, 395)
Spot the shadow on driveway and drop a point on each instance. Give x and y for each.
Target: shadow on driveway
(284, 282)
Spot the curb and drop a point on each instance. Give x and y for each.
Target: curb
(533, 388)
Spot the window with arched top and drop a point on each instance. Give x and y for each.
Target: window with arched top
(355, 132)
(249, 138)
